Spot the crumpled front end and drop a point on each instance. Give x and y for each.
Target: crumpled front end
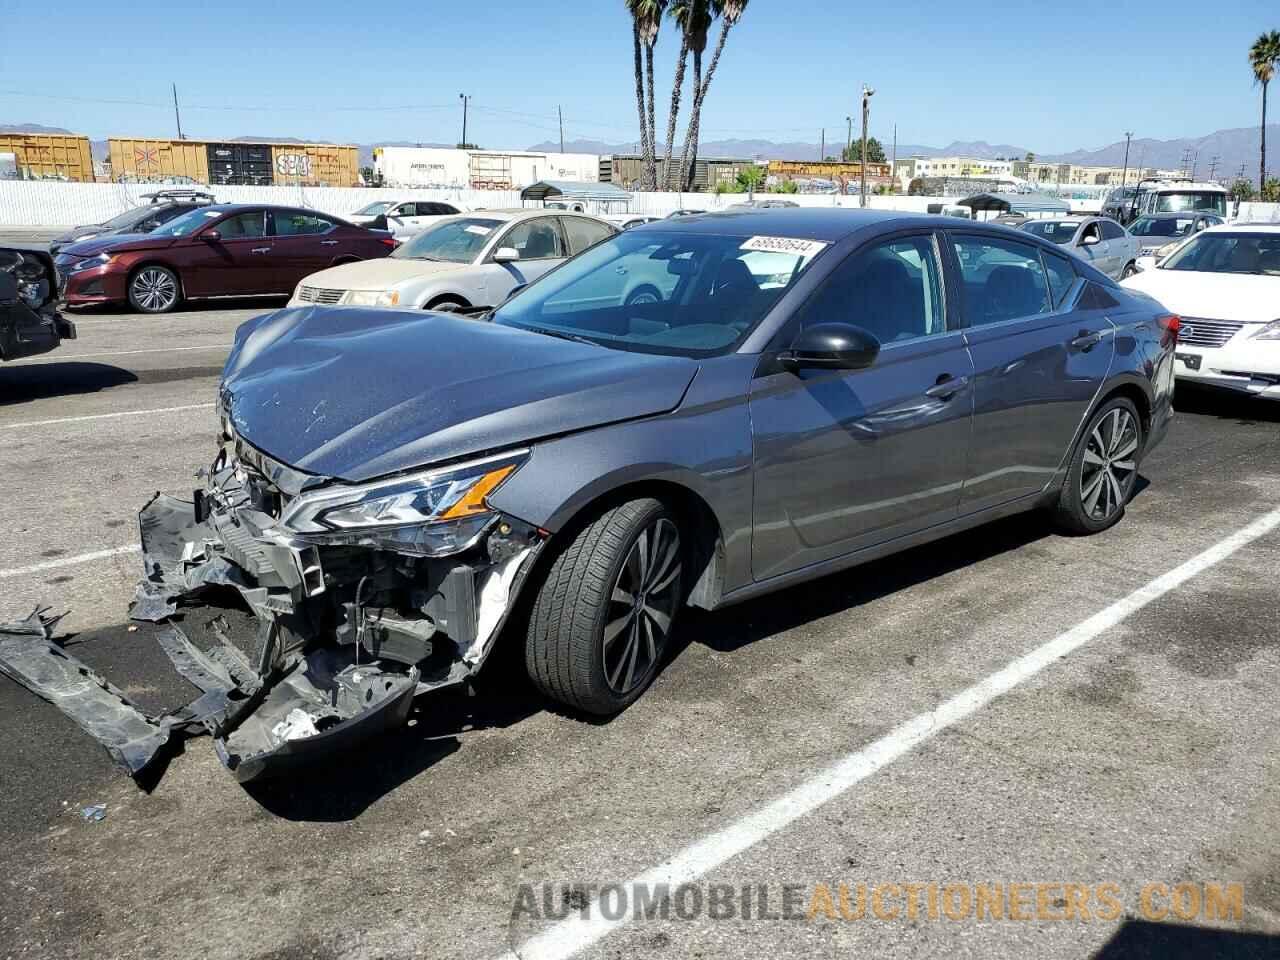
(365, 595)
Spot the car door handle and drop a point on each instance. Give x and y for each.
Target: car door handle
(328, 243)
(947, 387)
(1086, 341)
(260, 250)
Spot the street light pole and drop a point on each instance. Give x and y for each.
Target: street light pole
(1124, 177)
(465, 100)
(867, 93)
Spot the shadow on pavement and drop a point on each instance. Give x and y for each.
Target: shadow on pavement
(273, 302)
(1144, 940)
(1226, 405)
(42, 381)
(739, 626)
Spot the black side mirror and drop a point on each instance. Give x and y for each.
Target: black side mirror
(832, 346)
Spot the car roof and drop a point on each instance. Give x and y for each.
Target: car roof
(1177, 214)
(828, 224)
(1259, 228)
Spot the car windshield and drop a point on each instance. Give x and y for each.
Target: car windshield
(1161, 226)
(1055, 231)
(1257, 253)
(129, 218)
(454, 241)
(373, 209)
(189, 222)
(673, 293)
(1208, 201)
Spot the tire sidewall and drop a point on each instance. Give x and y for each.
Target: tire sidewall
(1071, 490)
(133, 302)
(653, 511)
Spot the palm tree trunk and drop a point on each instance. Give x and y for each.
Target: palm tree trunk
(674, 115)
(644, 130)
(695, 120)
(686, 175)
(650, 161)
(1262, 164)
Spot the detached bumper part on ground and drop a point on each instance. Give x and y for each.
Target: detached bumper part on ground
(348, 635)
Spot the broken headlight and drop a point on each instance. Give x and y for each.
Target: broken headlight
(430, 514)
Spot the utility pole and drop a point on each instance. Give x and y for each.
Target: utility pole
(1124, 177)
(1213, 166)
(560, 113)
(465, 100)
(848, 147)
(822, 147)
(867, 93)
(176, 115)
(1195, 160)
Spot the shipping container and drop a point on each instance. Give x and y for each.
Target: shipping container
(627, 170)
(151, 160)
(443, 167)
(50, 156)
(826, 169)
(216, 162)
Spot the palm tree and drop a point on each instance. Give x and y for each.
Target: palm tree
(730, 12)
(637, 42)
(646, 17)
(1264, 57)
(693, 17)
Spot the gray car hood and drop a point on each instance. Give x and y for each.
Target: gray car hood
(355, 393)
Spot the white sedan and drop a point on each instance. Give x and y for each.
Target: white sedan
(402, 218)
(474, 260)
(1224, 284)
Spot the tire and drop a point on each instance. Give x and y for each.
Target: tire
(645, 293)
(594, 641)
(1129, 270)
(154, 289)
(1103, 470)
(445, 304)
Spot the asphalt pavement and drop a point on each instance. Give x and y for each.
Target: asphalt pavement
(1143, 749)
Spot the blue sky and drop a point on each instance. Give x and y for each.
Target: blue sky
(347, 72)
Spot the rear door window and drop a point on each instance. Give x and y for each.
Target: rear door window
(1111, 230)
(536, 239)
(298, 224)
(584, 233)
(1003, 279)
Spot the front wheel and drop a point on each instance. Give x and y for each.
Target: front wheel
(154, 290)
(1103, 470)
(602, 618)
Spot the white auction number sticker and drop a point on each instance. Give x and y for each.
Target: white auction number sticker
(799, 247)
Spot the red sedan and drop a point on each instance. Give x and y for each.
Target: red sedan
(225, 250)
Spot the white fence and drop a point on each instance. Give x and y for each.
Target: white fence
(35, 203)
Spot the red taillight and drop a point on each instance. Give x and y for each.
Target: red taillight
(387, 241)
(1169, 327)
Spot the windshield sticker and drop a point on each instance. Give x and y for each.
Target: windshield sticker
(801, 248)
(479, 231)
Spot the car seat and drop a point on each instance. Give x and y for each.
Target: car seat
(1013, 292)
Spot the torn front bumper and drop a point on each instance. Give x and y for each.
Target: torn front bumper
(347, 635)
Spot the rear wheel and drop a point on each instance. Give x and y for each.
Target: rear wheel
(154, 289)
(1129, 270)
(602, 618)
(1103, 471)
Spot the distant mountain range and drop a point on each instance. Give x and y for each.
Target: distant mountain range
(1233, 149)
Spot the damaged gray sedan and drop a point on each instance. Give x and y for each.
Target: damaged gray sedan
(796, 392)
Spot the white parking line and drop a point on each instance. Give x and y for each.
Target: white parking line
(67, 357)
(103, 416)
(570, 936)
(68, 561)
